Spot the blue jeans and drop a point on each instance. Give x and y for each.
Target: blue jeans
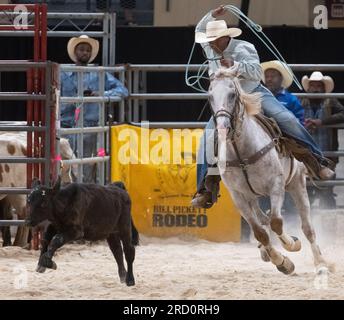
(89, 150)
(272, 108)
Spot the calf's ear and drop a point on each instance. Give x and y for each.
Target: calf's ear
(57, 185)
(35, 183)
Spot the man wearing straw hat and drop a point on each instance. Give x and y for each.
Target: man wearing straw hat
(277, 79)
(318, 113)
(222, 50)
(83, 50)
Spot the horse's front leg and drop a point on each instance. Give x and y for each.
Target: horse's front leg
(290, 243)
(246, 208)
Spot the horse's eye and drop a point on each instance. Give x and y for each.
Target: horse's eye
(231, 96)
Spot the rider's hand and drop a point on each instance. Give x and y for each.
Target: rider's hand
(220, 11)
(227, 63)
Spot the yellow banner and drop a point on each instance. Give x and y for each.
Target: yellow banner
(158, 167)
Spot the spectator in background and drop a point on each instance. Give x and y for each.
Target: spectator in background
(129, 6)
(277, 79)
(82, 51)
(320, 112)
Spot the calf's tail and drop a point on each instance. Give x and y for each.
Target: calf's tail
(135, 239)
(119, 184)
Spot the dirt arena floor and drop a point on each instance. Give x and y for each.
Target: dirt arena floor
(173, 269)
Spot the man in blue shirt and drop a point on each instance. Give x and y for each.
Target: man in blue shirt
(319, 113)
(278, 80)
(82, 51)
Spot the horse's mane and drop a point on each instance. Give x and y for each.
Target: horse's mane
(251, 101)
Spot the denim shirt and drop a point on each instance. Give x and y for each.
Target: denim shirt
(244, 55)
(69, 88)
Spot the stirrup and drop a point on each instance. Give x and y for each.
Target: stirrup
(202, 200)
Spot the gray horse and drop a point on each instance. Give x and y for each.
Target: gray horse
(250, 166)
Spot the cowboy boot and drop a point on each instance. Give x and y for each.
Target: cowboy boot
(202, 199)
(208, 194)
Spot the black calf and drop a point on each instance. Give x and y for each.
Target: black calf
(85, 211)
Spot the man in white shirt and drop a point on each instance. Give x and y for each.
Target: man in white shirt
(222, 50)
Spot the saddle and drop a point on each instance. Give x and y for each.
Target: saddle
(288, 146)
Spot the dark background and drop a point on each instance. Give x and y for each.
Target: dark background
(152, 45)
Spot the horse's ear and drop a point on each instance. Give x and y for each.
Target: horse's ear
(35, 183)
(57, 185)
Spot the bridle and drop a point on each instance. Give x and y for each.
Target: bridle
(234, 117)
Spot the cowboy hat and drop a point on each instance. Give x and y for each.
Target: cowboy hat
(282, 68)
(318, 76)
(73, 42)
(216, 29)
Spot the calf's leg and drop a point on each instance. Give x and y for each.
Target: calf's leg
(6, 236)
(116, 248)
(56, 242)
(129, 252)
(48, 235)
(5, 214)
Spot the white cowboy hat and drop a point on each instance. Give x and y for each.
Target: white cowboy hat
(73, 42)
(281, 68)
(216, 29)
(318, 76)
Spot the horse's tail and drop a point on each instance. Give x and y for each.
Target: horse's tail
(135, 239)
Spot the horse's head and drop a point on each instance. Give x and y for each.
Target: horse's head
(229, 102)
(223, 99)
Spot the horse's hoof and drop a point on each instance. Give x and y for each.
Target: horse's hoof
(297, 244)
(263, 254)
(321, 270)
(40, 269)
(287, 266)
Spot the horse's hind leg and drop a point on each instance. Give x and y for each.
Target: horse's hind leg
(282, 263)
(298, 191)
(116, 249)
(277, 196)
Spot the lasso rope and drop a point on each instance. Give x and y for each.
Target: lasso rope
(194, 81)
